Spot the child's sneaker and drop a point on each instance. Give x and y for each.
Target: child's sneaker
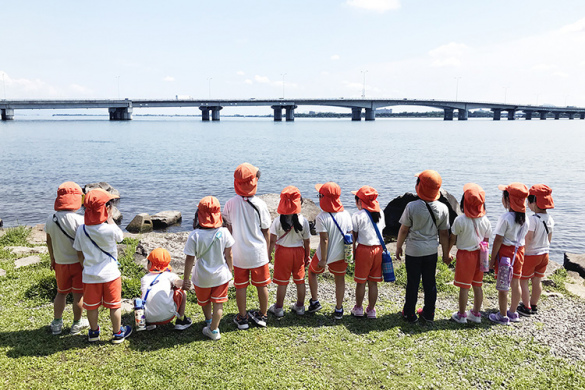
(242, 322)
(300, 310)
(78, 326)
(523, 310)
(474, 317)
(499, 319)
(212, 334)
(459, 318)
(338, 313)
(412, 318)
(125, 331)
(428, 318)
(57, 326)
(258, 318)
(277, 311)
(357, 311)
(182, 324)
(150, 327)
(314, 306)
(534, 310)
(514, 317)
(371, 312)
(207, 323)
(93, 335)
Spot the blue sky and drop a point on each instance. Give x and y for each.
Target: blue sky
(519, 51)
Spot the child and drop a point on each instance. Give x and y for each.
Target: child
(510, 231)
(330, 251)
(422, 222)
(367, 249)
(211, 244)
(469, 230)
(162, 294)
(96, 247)
(248, 220)
(61, 227)
(538, 241)
(290, 234)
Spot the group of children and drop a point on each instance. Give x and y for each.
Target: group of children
(84, 255)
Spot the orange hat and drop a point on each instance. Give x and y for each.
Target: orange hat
(543, 195)
(368, 196)
(330, 201)
(429, 185)
(518, 193)
(245, 180)
(159, 260)
(69, 197)
(209, 212)
(95, 206)
(290, 201)
(474, 199)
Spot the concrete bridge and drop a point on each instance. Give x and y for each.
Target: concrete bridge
(210, 108)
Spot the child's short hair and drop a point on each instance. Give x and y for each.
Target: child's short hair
(160, 260)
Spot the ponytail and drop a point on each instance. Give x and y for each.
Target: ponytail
(284, 222)
(519, 217)
(375, 214)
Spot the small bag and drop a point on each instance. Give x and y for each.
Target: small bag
(347, 243)
(484, 261)
(505, 270)
(387, 266)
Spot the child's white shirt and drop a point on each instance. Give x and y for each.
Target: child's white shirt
(62, 246)
(211, 269)
(540, 243)
(471, 231)
(362, 225)
(324, 223)
(159, 305)
(513, 233)
(292, 238)
(97, 266)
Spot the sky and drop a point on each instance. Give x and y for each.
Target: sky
(522, 51)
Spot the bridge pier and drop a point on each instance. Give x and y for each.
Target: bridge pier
(497, 113)
(290, 113)
(511, 115)
(120, 113)
(204, 114)
(543, 115)
(7, 114)
(356, 114)
(528, 115)
(448, 116)
(370, 114)
(557, 116)
(462, 114)
(215, 113)
(582, 115)
(277, 113)
(571, 115)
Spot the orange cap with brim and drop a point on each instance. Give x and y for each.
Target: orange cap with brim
(95, 206)
(543, 195)
(330, 201)
(209, 212)
(69, 197)
(429, 185)
(159, 260)
(368, 196)
(474, 200)
(290, 201)
(245, 180)
(518, 193)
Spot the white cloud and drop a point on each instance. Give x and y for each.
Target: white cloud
(262, 79)
(169, 78)
(248, 81)
(240, 73)
(448, 55)
(578, 26)
(374, 5)
(335, 57)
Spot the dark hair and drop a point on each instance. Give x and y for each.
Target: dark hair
(531, 198)
(462, 203)
(110, 202)
(295, 222)
(196, 221)
(375, 214)
(519, 217)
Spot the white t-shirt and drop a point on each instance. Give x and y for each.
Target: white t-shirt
(211, 269)
(62, 245)
(292, 239)
(159, 305)
(423, 237)
(471, 231)
(97, 266)
(250, 249)
(512, 232)
(362, 225)
(540, 243)
(324, 223)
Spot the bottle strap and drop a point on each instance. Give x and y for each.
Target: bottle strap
(336, 224)
(432, 215)
(215, 237)
(150, 288)
(56, 220)
(255, 208)
(544, 223)
(377, 231)
(97, 246)
(284, 235)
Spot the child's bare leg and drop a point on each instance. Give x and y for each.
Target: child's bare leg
(339, 290)
(477, 298)
(241, 300)
(77, 306)
(525, 291)
(116, 317)
(59, 305)
(217, 314)
(92, 317)
(313, 286)
(207, 311)
(516, 294)
(181, 308)
(503, 302)
(301, 292)
(463, 298)
(536, 290)
(280, 294)
(263, 298)
(372, 293)
(360, 292)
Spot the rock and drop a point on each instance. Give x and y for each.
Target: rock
(396, 206)
(164, 219)
(551, 268)
(2, 272)
(37, 234)
(574, 277)
(116, 215)
(127, 305)
(140, 224)
(173, 242)
(548, 283)
(1, 223)
(575, 262)
(576, 288)
(552, 294)
(25, 250)
(309, 209)
(24, 261)
(103, 185)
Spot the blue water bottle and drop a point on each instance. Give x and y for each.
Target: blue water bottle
(387, 267)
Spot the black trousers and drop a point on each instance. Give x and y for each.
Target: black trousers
(417, 267)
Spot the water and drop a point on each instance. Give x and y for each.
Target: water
(171, 163)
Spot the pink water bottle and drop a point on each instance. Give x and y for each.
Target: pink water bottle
(484, 262)
(504, 274)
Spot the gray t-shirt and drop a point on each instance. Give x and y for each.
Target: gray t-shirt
(423, 237)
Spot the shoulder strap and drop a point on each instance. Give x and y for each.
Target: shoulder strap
(336, 224)
(544, 223)
(284, 235)
(94, 243)
(432, 214)
(477, 230)
(517, 242)
(255, 208)
(56, 220)
(215, 237)
(150, 287)
(377, 230)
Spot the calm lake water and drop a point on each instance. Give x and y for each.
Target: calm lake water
(165, 163)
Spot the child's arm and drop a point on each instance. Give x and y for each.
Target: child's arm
(498, 240)
(444, 241)
(307, 245)
(80, 257)
(402, 233)
(178, 283)
(452, 241)
(266, 235)
(529, 237)
(324, 237)
(227, 252)
(50, 248)
(272, 245)
(189, 260)
(355, 237)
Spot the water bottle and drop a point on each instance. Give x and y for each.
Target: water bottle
(139, 318)
(504, 274)
(387, 267)
(484, 262)
(348, 248)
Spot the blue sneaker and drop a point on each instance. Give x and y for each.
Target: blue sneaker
(124, 332)
(93, 335)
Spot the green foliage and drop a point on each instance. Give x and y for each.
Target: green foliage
(131, 288)
(131, 272)
(559, 277)
(15, 236)
(43, 288)
(444, 277)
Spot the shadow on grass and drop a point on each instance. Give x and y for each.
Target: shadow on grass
(40, 342)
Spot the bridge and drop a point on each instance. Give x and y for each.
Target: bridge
(210, 108)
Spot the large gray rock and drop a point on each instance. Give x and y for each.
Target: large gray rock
(173, 242)
(1, 223)
(37, 234)
(116, 214)
(309, 209)
(164, 219)
(25, 250)
(575, 262)
(24, 261)
(140, 224)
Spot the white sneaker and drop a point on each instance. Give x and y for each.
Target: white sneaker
(459, 318)
(278, 312)
(212, 334)
(473, 318)
(300, 310)
(56, 326)
(77, 328)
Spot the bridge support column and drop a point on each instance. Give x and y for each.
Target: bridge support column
(7, 114)
(120, 113)
(582, 116)
(204, 114)
(356, 114)
(557, 116)
(215, 113)
(462, 114)
(543, 115)
(571, 115)
(528, 115)
(277, 113)
(497, 113)
(370, 114)
(511, 115)
(448, 116)
(290, 113)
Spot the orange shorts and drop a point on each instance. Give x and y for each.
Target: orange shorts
(69, 278)
(508, 251)
(107, 294)
(289, 261)
(368, 263)
(467, 271)
(260, 276)
(178, 297)
(217, 294)
(337, 267)
(534, 266)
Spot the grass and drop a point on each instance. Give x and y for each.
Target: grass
(312, 352)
